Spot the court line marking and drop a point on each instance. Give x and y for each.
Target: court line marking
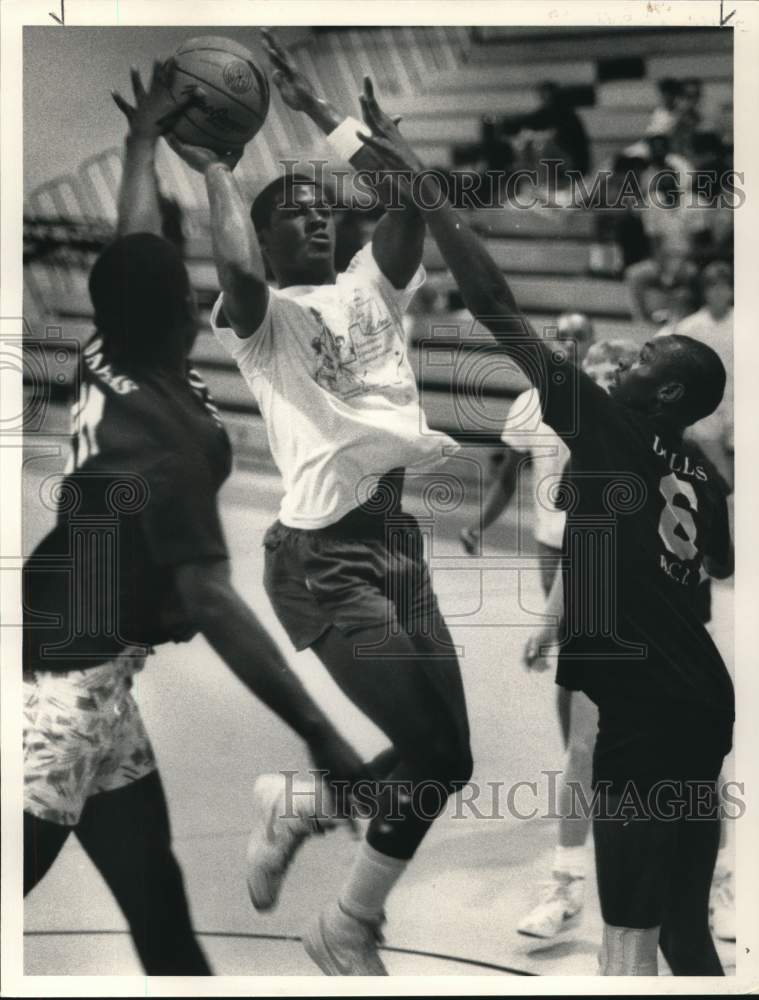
(291, 937)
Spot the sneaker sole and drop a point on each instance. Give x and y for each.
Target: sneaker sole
(569, 924)
(317, 948)
(262, 895)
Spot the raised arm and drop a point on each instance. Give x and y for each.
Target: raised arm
(483, 287)
(236, 251)
(488, 296)
(153, 114)
(398, 240)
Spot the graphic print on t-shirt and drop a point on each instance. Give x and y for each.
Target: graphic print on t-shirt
(369, 358)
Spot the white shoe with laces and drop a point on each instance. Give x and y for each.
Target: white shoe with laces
(343, 945)
(561, 901)
(282, 822)
(722, 907)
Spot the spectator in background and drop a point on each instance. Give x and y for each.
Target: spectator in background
(674, 228)
(688, 117)
(520, 142)
(662, 158)
(553, 131)
(713, 325)
(664, 116)
(621, 224)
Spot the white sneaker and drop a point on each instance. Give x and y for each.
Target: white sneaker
(561, 900)
(280, 827)
(722, 907)
(342, 945)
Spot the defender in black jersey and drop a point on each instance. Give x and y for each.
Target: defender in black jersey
(643, 516)
(137, 558)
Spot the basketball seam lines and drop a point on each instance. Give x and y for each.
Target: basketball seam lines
(220, 91)
(211, 135)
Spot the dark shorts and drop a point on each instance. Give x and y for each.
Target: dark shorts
(646, 860)
(365, 571)
(646, 744)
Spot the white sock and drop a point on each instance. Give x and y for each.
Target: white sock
(370, 882)
(570, 861)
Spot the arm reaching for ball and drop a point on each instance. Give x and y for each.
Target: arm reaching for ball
(484, 288)
(153, 114)
(236, 252)
(398, 240)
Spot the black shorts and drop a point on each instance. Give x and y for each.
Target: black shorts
(645, 744)
(646, 859)
(367, 570)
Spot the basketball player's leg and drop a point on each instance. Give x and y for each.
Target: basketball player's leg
(410, 698)
(127, 835)
(43, 841)
(57, 767)
(685, 938)
(548, 570)
(563, 895)
(633, 860)
(417, 700)
(578, 772)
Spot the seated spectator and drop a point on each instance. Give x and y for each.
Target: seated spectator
(688, 118)
(664, 116)
(681, 301)
(713, 325)
(520, 142)
(674, 228)
(554, 130)
(621, 224)
(661, 158)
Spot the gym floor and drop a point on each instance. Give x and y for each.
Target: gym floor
(456, 910)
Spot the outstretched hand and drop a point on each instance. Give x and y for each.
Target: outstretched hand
(390, 148)
(540, 649)
(296, 90)
(155, 110)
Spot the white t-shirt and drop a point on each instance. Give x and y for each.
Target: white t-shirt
(331, 375)
(524, 430)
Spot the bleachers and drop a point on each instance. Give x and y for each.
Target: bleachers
(442, 84)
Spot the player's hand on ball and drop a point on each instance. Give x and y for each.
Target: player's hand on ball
(540, 648)
(391, 149)
(296, 90)
(155, 111)
(200, 158)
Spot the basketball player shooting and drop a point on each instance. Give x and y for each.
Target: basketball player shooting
(144, 426)
(345, 567)
(665, 698)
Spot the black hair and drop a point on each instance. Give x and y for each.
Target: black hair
(669, 85)
(142, 297)
(703, 374)
(277, 193)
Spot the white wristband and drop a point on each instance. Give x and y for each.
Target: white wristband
(344, 141)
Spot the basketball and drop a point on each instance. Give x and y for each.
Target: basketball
(235, 97)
